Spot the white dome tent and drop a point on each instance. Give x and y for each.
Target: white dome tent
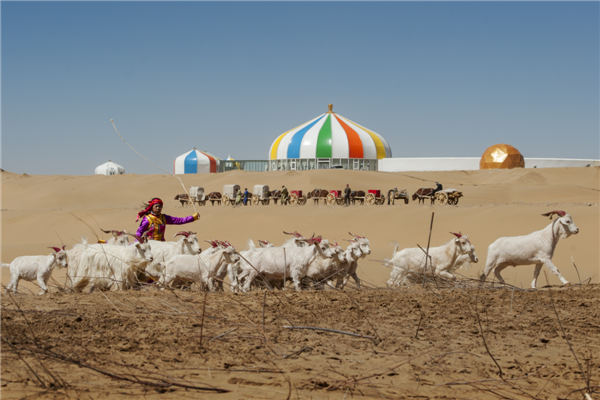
(195, 162)
(109, 168)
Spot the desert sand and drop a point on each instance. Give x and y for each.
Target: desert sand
(418, 342)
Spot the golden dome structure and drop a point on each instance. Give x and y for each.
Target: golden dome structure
(501, 156)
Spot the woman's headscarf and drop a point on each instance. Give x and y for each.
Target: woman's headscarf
(146, 210)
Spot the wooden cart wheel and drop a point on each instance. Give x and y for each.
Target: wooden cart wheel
(293, 199)
(380, 201)
(255, 200)
(370, 199)
(302, 200)
(441, 197)
(226, 201)
(330, 199)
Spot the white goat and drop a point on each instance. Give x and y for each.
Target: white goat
(119, 238)
(351, 259)
(409, 264)
(234, 269)
(271, 264)
(204, 268)
(535, 248)
(163, 251)
(324, 269)
(37, 268)
(105, 266)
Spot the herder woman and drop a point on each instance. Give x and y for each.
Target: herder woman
(154, 222)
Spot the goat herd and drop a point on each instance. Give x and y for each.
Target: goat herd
(307, 262)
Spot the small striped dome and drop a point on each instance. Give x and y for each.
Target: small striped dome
(329, 136)
(195, 162)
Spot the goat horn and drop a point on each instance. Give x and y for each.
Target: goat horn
(550, 214)
(295, 233)
(56, 249)
(183, 233)
(458, 235)
(113, 231)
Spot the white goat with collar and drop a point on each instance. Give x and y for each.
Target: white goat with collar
(535, 248)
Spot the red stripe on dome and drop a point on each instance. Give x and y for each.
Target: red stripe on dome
(213, 162)
(355, 147)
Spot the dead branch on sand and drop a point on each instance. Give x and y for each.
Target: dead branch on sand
(315, 328)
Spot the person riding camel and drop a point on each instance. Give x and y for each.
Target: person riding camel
(154, 222)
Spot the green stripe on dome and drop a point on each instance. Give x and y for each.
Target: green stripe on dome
(324, 139)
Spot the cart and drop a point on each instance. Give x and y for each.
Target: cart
(448, 196)
(296, 197)
(229, 194)
(197, 195)
(397, 194)
(374, 196)
(261, 195)
(335, 197)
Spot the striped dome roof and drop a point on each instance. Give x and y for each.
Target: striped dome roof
(194, 162)
(329, 136)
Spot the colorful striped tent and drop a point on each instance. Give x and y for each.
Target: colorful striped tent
(329, 136)
(195, 162)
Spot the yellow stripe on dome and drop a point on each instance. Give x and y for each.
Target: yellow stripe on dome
(378, 143)
(275, 145)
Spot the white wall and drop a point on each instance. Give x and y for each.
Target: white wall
(559, 162)
(469, 163)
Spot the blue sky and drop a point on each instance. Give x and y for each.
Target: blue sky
(435, 79)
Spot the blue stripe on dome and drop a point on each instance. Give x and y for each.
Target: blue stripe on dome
(190, 164)
(293, 150)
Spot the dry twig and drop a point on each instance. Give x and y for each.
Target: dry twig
(315, 328)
